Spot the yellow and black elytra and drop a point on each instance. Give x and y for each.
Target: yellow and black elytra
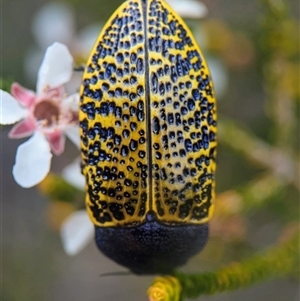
(148, 139)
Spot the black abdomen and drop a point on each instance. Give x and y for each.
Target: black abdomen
(151, 248)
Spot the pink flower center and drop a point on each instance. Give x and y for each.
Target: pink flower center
(47, 111)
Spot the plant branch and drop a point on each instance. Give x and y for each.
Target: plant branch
(243, 141)
(275, 262)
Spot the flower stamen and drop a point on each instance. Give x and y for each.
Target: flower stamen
(47, 112)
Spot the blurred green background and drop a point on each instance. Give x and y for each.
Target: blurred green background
(258, 154)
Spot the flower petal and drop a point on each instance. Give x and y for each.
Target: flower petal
(10, 109)
(72, 174)
(54, 93)
(33, 160)
(57, 141)
(24, 96)
(71, 102)
(22, 129)
(54, 22)
(76, 232)
(189, 8)
(56, 68)
(72, 132)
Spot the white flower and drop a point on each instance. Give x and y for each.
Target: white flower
(48, 115)
(72, 174)
(76, 232)
(190, 9)
(55, 22)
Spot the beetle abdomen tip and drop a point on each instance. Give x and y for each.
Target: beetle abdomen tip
(151, 248)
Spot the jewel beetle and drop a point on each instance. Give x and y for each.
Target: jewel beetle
(148, 139)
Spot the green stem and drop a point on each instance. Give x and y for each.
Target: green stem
(277, 261)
